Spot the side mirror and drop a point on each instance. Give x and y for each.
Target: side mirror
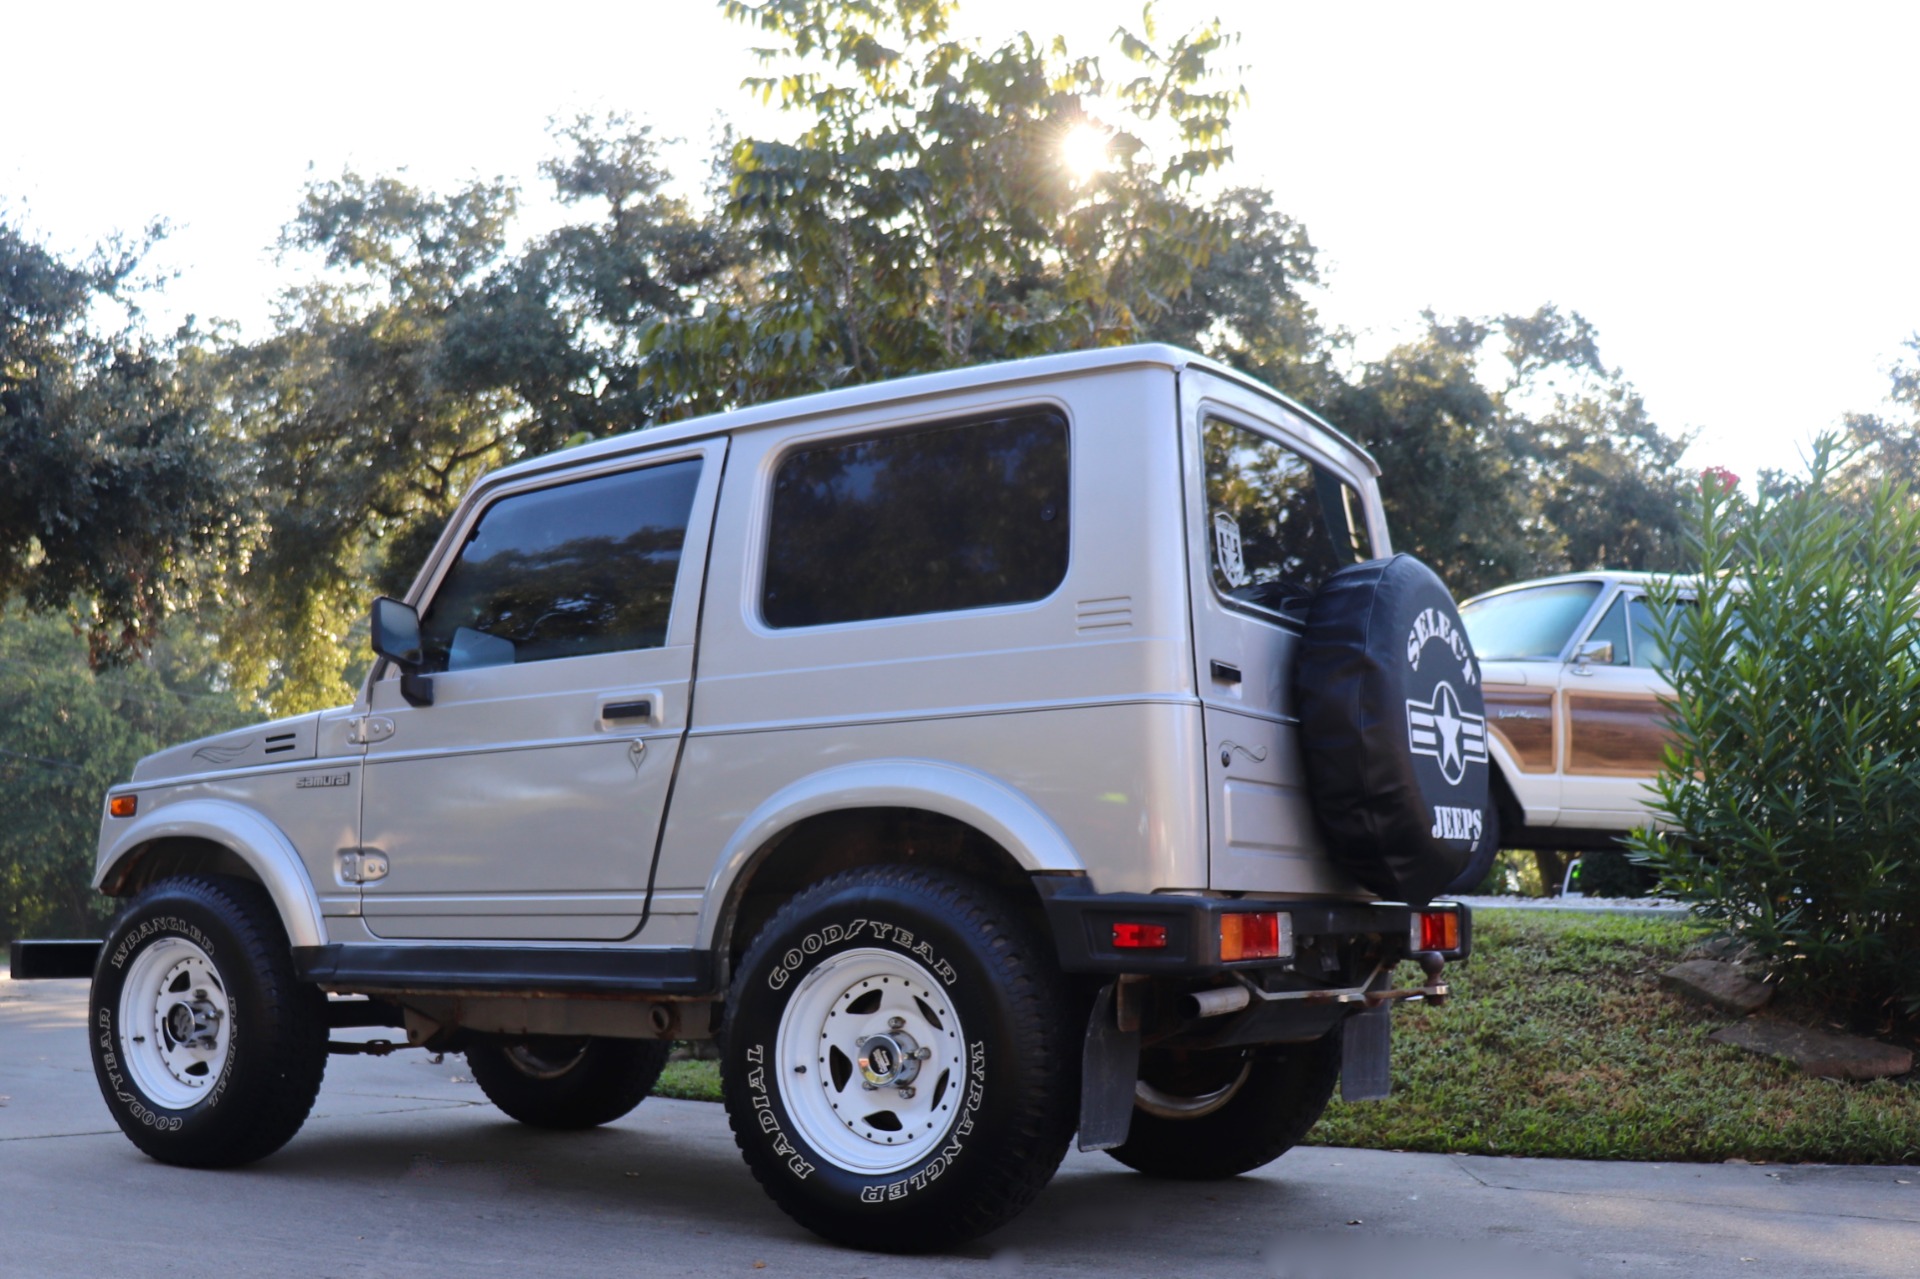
(1600, 651)
(396, 632)
(396, 637)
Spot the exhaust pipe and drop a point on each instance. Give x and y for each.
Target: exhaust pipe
(1215, 1003)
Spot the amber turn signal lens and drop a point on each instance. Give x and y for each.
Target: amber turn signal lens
(1263, 935)
(123, 805)
(1439, 930)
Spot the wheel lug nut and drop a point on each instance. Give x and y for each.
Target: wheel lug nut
(906, 1092)
(896, 1023)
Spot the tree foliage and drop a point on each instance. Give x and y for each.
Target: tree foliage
(110, 484)
(67, 733)
(923, 217)
(919, 215)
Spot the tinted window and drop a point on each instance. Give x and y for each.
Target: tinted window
(1530, 625)
(1278, 524)
(923, 521)
(566, 571)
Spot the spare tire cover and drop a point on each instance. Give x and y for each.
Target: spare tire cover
(1393, 728)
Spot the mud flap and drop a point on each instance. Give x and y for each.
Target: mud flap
(1365, 1046)
(1108, 1068)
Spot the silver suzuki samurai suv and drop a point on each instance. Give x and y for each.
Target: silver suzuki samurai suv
(983, 757)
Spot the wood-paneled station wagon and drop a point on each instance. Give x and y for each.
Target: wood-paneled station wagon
(1574, 685)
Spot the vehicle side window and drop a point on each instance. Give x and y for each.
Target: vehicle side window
(931, 520)
(1612, 629)
(566, 571)
(1278, 525)
(1647, 649)
(1530, 625)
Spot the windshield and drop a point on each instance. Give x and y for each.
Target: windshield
(1533, 625)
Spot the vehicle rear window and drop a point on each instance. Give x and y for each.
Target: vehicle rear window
(567, 571)
(1532, 625)
(1278, 525)
(929, 520)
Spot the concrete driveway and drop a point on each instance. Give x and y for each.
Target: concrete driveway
(405, 1170)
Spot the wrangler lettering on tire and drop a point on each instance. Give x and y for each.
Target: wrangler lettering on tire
(207, 1049)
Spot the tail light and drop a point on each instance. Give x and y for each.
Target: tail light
(1437, 930)
(1256, 935)
(1130, 936)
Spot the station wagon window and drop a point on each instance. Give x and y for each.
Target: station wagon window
(1612, 629)
(1531, 625)
(566, 571)
(1648, 650)
(931, 520)
(1278, 525)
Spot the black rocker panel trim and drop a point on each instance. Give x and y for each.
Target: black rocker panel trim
(504, 969)
(31, 960)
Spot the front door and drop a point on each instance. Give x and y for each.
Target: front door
(1615, 720)
(526, 801)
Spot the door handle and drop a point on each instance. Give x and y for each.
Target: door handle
(641, 708)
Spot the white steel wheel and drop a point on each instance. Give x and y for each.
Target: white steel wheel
(175, 1023)
(872, 1061)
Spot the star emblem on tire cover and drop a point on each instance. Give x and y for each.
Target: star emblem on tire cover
(1442, 731)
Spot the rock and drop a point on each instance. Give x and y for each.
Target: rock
(1817, 1052)
(1722, 985)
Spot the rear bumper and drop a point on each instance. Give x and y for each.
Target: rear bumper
(1083, 930)
(36, 960)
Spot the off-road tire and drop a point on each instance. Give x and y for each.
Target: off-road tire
(1287, 1087)
(931, 957)
(224, 936)
(594, 1082)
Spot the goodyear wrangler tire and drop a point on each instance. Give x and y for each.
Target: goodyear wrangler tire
(208, 1050)
(1393, 728)
(896, 1064)
(1205, 1116)
(548, 1081)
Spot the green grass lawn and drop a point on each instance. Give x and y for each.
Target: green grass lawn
(1559, 1042)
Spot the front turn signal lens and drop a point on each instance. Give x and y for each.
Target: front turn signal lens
(1263, 934)
(1436, 930)
(123, 805)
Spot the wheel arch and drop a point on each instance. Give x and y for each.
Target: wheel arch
(873, 813)
(213, 837)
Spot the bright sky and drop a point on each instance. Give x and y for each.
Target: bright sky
(1727, 190)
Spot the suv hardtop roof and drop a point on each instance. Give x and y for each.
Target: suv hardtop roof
(917, 386)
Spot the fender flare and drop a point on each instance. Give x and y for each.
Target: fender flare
(251, 837)
(982, 801)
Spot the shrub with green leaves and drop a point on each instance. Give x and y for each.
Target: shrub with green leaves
(1794, 784)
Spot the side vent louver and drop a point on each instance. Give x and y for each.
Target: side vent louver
(278, 742)
(1104, 616)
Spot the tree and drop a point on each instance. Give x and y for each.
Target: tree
(109, 482)
(1553, 468)
(924, 218)
(67, 733)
